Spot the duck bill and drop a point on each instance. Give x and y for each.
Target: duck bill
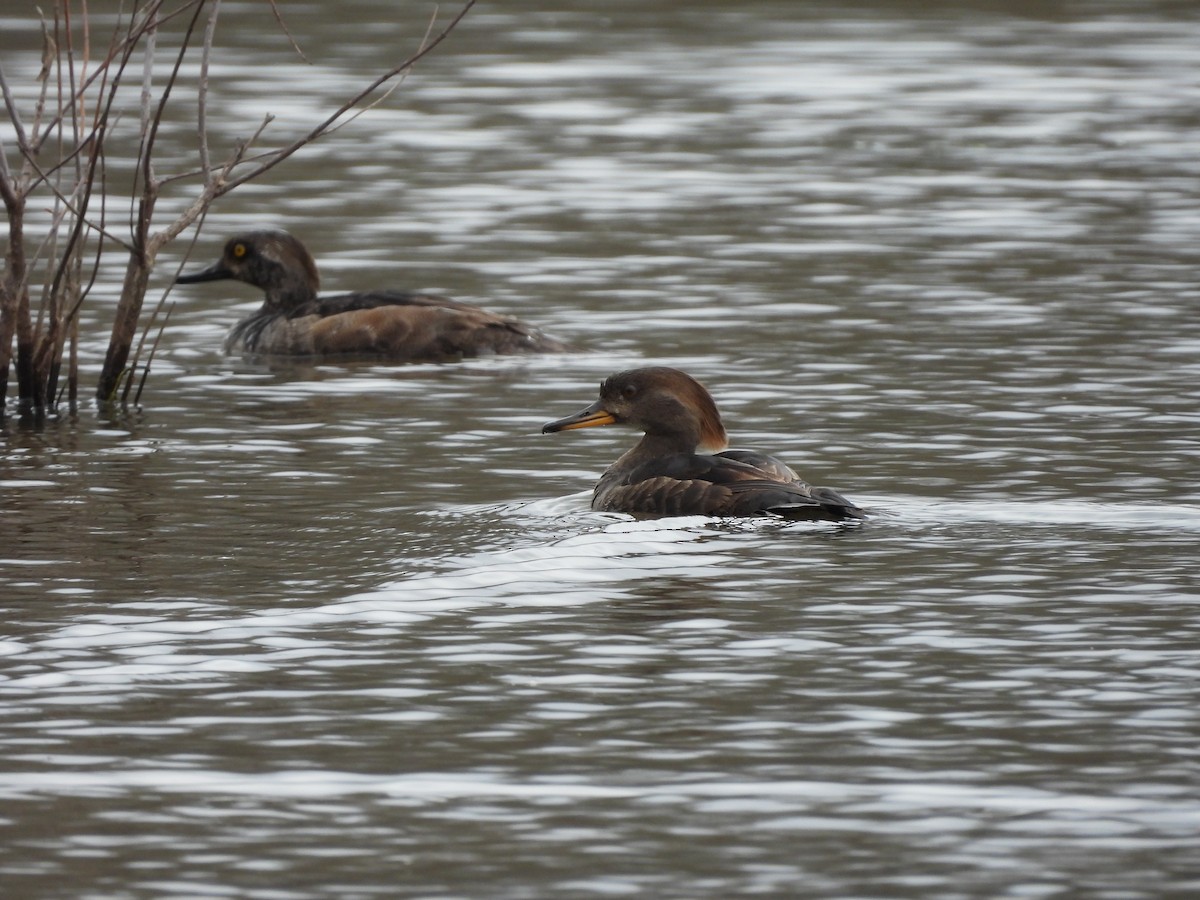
(589, 418)
(216, 272)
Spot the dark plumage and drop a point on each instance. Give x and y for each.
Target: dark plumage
(664, 475)
(294, 321)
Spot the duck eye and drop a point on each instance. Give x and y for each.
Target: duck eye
(239, 250)
(629, 391)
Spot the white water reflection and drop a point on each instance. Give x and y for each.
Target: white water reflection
(333, 629)
(1096, 813)
(605, 563)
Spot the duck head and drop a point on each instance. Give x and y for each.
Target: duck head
(661, 401)
(271, 260)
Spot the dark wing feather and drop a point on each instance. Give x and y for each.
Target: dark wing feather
(340, 303)
(719, 468)
(772, 468)
(795, 501)
(661, 496)
(733, 483)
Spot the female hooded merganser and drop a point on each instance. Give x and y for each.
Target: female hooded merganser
(293, 321)
(663, 474)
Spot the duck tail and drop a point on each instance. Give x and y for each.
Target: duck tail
(829, 506)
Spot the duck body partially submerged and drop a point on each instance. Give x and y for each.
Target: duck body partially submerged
(668, 473)
(392, 324)
(399, 325)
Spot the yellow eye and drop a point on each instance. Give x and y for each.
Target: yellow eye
(239, 250)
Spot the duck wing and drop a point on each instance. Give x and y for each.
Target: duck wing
(410, 326)
(731, 483)
(768, 466)
(340, 303)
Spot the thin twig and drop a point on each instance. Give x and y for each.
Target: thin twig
(210, 31)
(14, 113)
(122, 47)
(150, 127)
(137, 398)
(382, 98)
(150, 187)
(324, 126)
(283, 25)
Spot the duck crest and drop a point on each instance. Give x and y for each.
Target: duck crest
(712, 437)
(280, 247)
(282, 267)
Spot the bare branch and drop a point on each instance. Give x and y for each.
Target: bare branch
(149, 46)
(137, 398)
(14, 114)
(151, 129)
(122, 48)
(210, 31)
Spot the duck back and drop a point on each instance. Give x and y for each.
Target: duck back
(413, 326)
(730, 483)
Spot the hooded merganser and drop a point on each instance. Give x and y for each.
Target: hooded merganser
(293, 321)
(665, 475)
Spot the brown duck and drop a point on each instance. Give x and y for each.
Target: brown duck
(294, 321)
(665, 475)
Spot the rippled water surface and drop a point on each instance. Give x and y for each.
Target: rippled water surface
(351, 630)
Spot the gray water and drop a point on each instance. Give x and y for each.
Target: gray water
(351, 630)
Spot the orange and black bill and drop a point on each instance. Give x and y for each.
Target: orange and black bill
(594, 415)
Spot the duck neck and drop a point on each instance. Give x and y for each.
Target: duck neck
(289, 291)
(657, 446)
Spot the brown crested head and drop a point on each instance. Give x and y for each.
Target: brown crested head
(661, 401)
(269, 259)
